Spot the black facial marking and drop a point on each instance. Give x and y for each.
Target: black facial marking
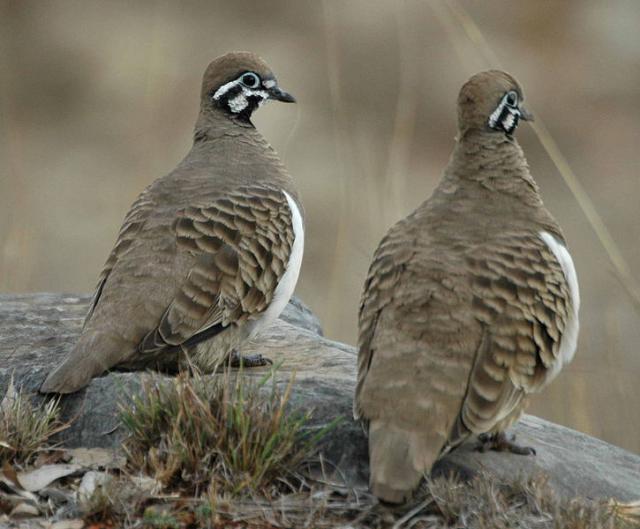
(253, 104)
(237, 98)
(506, 116)
(508, 121)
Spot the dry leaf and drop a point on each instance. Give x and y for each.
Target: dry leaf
(24, 510)
(146, 484)
(95, 458)
(16, 489)
(90, 482)
(37, 479)
(68, 524)
(9, 478)
(9, 473)
(8, 501)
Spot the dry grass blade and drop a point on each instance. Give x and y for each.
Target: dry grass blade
(473, 33)
(444, 502)
(626, 513)
(228, 432)
(621, 268)
(315, 508)
(487, 503)
(412, 513)
(25, 427)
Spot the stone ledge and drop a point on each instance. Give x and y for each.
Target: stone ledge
(36, 331)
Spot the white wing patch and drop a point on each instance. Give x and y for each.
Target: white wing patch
(287, 284)
(569, 340)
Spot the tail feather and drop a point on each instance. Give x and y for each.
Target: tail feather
(398, 459)
(94, 353)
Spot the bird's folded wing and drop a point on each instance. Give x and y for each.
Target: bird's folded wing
(133, 223)
(522, 298)
(387, 266)
(235, 251)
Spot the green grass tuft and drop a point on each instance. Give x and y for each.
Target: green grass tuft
(156, 519)
(25, 428)
(229, 433)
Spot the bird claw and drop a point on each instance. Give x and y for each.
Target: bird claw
(256, 360)
(501, 442)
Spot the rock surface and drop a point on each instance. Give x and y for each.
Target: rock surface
(36, 331)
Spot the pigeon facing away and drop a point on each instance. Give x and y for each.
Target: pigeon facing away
(207, 254)
(470, 304)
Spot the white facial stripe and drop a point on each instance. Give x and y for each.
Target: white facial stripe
(495, 116)
(269, 83)
(238, 103)
(509, 121)
(225, 88)
(260, 93)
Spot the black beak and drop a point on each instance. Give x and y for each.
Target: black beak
(525, 115)
(277, 94)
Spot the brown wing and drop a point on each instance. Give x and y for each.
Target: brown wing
(388, 264)
(416, 341)
(133, 223)
(522, 298)
(235, 251)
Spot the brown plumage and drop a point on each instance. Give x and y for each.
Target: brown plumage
(208, 253)
(470, 304)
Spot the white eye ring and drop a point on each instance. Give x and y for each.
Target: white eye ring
(250, 80)
(511, 98)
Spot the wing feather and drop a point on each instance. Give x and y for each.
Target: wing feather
(239, 247)
(522, 297)
(389, 262)
(133, 223)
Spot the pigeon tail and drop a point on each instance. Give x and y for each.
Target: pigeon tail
(93, 354)
(398, 460)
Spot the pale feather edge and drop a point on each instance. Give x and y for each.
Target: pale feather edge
(569, 340)
(287, 284)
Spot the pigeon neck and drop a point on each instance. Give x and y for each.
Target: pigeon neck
(495, 161)
(215, 123)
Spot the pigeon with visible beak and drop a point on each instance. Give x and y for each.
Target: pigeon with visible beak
(470, 305)
(208, 254)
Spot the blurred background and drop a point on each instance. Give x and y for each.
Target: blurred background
(99, 98)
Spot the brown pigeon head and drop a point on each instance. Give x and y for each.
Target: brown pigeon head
(491, 101)
(238, 83)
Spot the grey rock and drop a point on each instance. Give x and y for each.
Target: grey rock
(36, 331)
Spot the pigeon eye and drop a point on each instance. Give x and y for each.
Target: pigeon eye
(511, 98)
(250, 80)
